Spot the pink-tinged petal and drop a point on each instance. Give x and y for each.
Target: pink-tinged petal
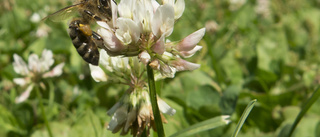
(189, 42)
(155, 5)
(165, 108)
(144, 57)
(19, 65)
(56, 71)
(21, 81)
(34, 63)
(159, 47)
(112, 43)
(187, 54)
(25, 94)
(97, 73)
(179, 7)
(182, 65)
(163, 20)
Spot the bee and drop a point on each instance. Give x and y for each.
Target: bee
(83, 38)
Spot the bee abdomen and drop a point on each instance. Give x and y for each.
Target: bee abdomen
(89, 53)
(84, 44)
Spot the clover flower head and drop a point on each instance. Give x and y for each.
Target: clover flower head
(141, 30)
(33, 72)
(134, 113)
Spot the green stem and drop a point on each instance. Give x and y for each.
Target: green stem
(305, 108)
(43, 112)
(153, 98)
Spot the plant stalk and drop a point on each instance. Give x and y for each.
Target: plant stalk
(153, 98)
(43, 112)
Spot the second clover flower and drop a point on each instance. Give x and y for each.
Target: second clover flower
(33, 72)
(141, 30)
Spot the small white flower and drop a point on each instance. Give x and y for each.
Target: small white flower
(36, 69)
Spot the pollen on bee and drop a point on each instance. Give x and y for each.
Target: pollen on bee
(86, 30)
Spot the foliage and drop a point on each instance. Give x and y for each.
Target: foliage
(273, 58)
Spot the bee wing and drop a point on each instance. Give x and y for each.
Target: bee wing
(64, 13)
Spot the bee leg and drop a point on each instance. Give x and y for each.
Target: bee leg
(92, 15)
(98, 40)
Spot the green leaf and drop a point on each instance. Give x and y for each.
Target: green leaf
(8, 122)
(202, 126)
(205, 95)
(59, 129)
(229, 99)
(244, 116)
(88, 125)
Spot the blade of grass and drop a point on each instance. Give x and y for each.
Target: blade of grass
(304, 110)
(202, 126)
(244, 116)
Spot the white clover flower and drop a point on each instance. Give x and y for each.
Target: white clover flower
(141, 30)
(134, 112)
(36, 69)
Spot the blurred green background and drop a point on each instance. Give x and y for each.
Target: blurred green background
(253, 49)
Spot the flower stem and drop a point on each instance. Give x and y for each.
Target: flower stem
(153, 98)
(43, 112)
